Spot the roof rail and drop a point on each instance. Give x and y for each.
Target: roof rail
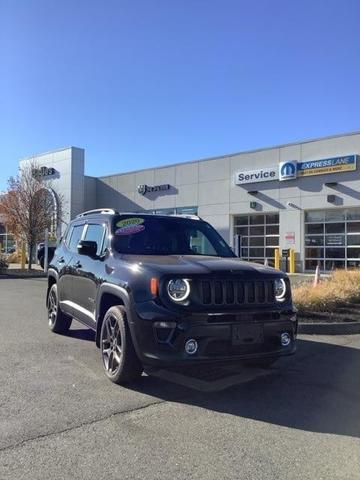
(186, 215)
(101, 211)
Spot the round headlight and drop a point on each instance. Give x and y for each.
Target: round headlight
(178, 289)
(280, 289)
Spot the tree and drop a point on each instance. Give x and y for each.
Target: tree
(31, 206)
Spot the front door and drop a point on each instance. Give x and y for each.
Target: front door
(86, 274)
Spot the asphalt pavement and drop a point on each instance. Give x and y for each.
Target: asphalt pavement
(60, 417)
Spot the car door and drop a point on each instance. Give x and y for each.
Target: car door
(87, 274)
(63, 261)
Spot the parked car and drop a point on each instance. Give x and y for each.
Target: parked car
(166, 290)
(40, 254)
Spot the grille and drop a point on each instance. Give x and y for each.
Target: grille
(234, 292)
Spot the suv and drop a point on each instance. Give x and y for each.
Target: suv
(164, 291)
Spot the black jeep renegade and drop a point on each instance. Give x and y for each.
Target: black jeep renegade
(166, 290)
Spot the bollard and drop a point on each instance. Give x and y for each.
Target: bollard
(292, 261)
(317, 276)
(277, 259)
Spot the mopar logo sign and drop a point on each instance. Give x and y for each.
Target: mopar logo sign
(287, 170)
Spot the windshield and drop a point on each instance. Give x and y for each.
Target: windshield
(153, 235)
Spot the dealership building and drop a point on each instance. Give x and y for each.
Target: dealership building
(304, 196)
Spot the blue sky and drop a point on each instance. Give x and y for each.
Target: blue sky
(145, 83)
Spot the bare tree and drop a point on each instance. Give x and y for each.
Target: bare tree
(31, 206)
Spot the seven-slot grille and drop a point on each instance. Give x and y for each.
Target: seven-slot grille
(232, 292)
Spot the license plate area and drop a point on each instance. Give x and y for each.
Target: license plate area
(247, 334)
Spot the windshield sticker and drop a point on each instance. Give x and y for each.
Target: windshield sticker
(129, 226)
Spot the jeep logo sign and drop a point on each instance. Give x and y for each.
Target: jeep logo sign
(144, 189)
(43, 172)
(255, 176)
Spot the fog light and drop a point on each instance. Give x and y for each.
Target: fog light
(285, 339)
(191, 346)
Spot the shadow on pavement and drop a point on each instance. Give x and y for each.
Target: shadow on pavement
(81, 334)
(317, 390)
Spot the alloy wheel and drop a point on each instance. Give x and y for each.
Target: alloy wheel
(111, 345)
(52, 307)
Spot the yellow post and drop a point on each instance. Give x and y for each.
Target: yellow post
(277, 259)
(292, 261)
(23, 256)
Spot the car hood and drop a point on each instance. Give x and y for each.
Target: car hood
(198, 265)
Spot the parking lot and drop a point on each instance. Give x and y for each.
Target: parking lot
(61, 418)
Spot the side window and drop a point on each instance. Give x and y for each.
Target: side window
(75, 237)
(95, 233)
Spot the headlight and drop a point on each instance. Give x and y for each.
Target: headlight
(280, 289)
(178, 289)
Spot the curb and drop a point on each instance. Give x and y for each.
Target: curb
(12, 276)
(348, 328)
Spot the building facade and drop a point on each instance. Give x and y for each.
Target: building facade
(304, 196)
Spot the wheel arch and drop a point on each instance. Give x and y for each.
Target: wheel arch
(52, 279)
(109, 296)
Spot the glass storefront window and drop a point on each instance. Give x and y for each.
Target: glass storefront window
(353, 214)
(353, 227)
(334, 215)
(314, 252)
(258, 230)
(339, 232)
(257, 241)
(315, 216)
(317, 228)
(334, 227)
(333, 264)
(314, 240)
(257, 219)
(353, 252)
(242, 231)
(353, 263)
(272, 229)
(272, 218)
(312, 264)
(353, 240)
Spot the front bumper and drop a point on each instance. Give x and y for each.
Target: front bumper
(160, 339)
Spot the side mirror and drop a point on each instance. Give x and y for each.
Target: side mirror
(87, 247)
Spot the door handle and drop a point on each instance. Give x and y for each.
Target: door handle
(77, 264)
(61, 260)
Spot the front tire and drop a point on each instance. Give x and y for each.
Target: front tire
(119, 358)
(58, 321)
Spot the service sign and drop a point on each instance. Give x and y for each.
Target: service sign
(255, 176)
(327, 165)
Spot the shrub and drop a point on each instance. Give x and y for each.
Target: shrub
(343, 286)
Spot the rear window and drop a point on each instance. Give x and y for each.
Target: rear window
(155, 235)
